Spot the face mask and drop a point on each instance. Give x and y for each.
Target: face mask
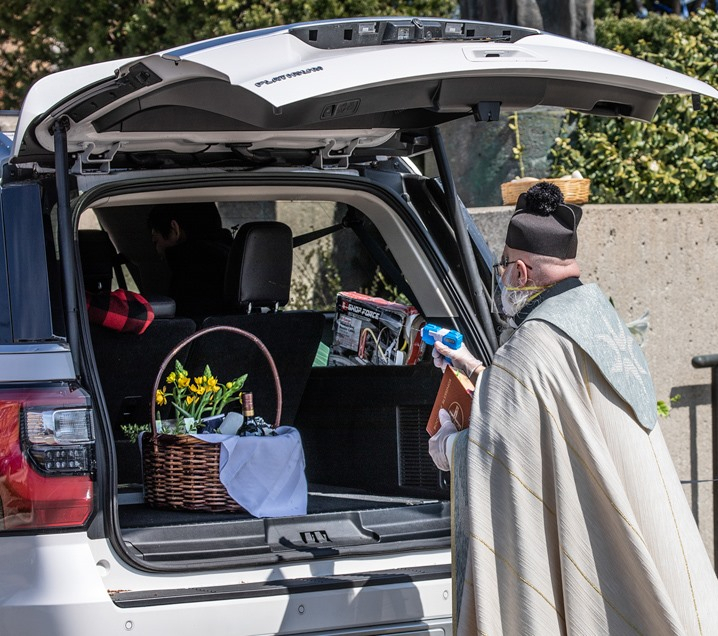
(512, 300)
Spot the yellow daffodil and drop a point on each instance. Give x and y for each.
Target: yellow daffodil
(196, 398)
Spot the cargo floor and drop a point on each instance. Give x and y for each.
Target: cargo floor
(322, 500)
(336, 522)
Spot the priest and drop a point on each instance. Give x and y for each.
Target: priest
(569, 514)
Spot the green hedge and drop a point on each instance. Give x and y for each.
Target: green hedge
(675, 157)
(42, 36)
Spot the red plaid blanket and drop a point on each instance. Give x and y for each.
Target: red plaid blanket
(120, 310)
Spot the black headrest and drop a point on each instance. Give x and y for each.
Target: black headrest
(259, 269)
(163, 306)
(99, 259)
(98, 256)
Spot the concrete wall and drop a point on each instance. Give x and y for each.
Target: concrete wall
(661, 259)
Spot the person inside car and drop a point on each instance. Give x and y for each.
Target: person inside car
(192, 240)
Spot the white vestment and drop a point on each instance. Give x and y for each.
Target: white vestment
(576, 520)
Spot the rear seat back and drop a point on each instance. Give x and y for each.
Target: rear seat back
(292, 339)
(256, 285)
(127, 363)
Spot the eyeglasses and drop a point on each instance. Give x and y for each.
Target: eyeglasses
(501, 266)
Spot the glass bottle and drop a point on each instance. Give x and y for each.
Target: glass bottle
(250, 424)
(253, 424)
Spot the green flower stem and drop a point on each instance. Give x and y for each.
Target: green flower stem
(181, 412)
(229, 395)
(203, 405)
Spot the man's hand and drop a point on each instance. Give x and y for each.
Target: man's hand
(461, 359)
(441, 442)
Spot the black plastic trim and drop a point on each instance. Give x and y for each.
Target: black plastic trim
(24, 297)
(65, 238)
(411, 30)
(468, 260)
(5, 316)
(285, 587)
(137, 77)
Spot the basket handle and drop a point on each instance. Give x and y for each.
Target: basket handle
(202, 332)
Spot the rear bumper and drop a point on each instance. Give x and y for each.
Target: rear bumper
(66, 585)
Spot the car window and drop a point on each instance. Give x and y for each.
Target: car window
(337, 255)
(337, 248)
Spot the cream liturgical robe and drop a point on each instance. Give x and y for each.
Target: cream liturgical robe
(576, 520)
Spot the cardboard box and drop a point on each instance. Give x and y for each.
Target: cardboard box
(455, 394)
(369, 330)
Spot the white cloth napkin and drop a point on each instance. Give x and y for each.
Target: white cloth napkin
(264, 475)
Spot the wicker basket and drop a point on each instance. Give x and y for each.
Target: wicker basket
(574, 190)
(181, 472)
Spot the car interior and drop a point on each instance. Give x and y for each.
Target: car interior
(362, 424)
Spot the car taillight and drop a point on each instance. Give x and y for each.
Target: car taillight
(60, 441)
(47, 457)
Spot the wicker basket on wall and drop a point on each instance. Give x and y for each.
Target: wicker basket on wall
(181, 472)
(574, 190)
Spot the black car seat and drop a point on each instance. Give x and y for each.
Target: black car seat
(257, 285)
(127, 363)
(99, 261)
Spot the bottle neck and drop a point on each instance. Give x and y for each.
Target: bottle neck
(248, 405)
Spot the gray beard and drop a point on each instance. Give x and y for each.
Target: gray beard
(513, 301)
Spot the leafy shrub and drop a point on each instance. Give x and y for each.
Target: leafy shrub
(44, 36)
(607, 8)
(673, 158)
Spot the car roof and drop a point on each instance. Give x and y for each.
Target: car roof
(338, 85)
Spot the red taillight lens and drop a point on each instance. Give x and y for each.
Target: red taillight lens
(46, 458)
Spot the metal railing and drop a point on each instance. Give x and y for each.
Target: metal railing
(711, 362)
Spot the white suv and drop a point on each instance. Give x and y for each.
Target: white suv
(320, 127)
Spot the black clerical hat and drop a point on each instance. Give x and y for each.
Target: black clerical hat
(543, 223)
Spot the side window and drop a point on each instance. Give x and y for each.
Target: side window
(337, 249)
(316, 272)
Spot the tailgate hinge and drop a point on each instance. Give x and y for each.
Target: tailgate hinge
(102, 161)
(329, 158)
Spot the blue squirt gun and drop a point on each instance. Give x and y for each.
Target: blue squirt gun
(431, 333)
